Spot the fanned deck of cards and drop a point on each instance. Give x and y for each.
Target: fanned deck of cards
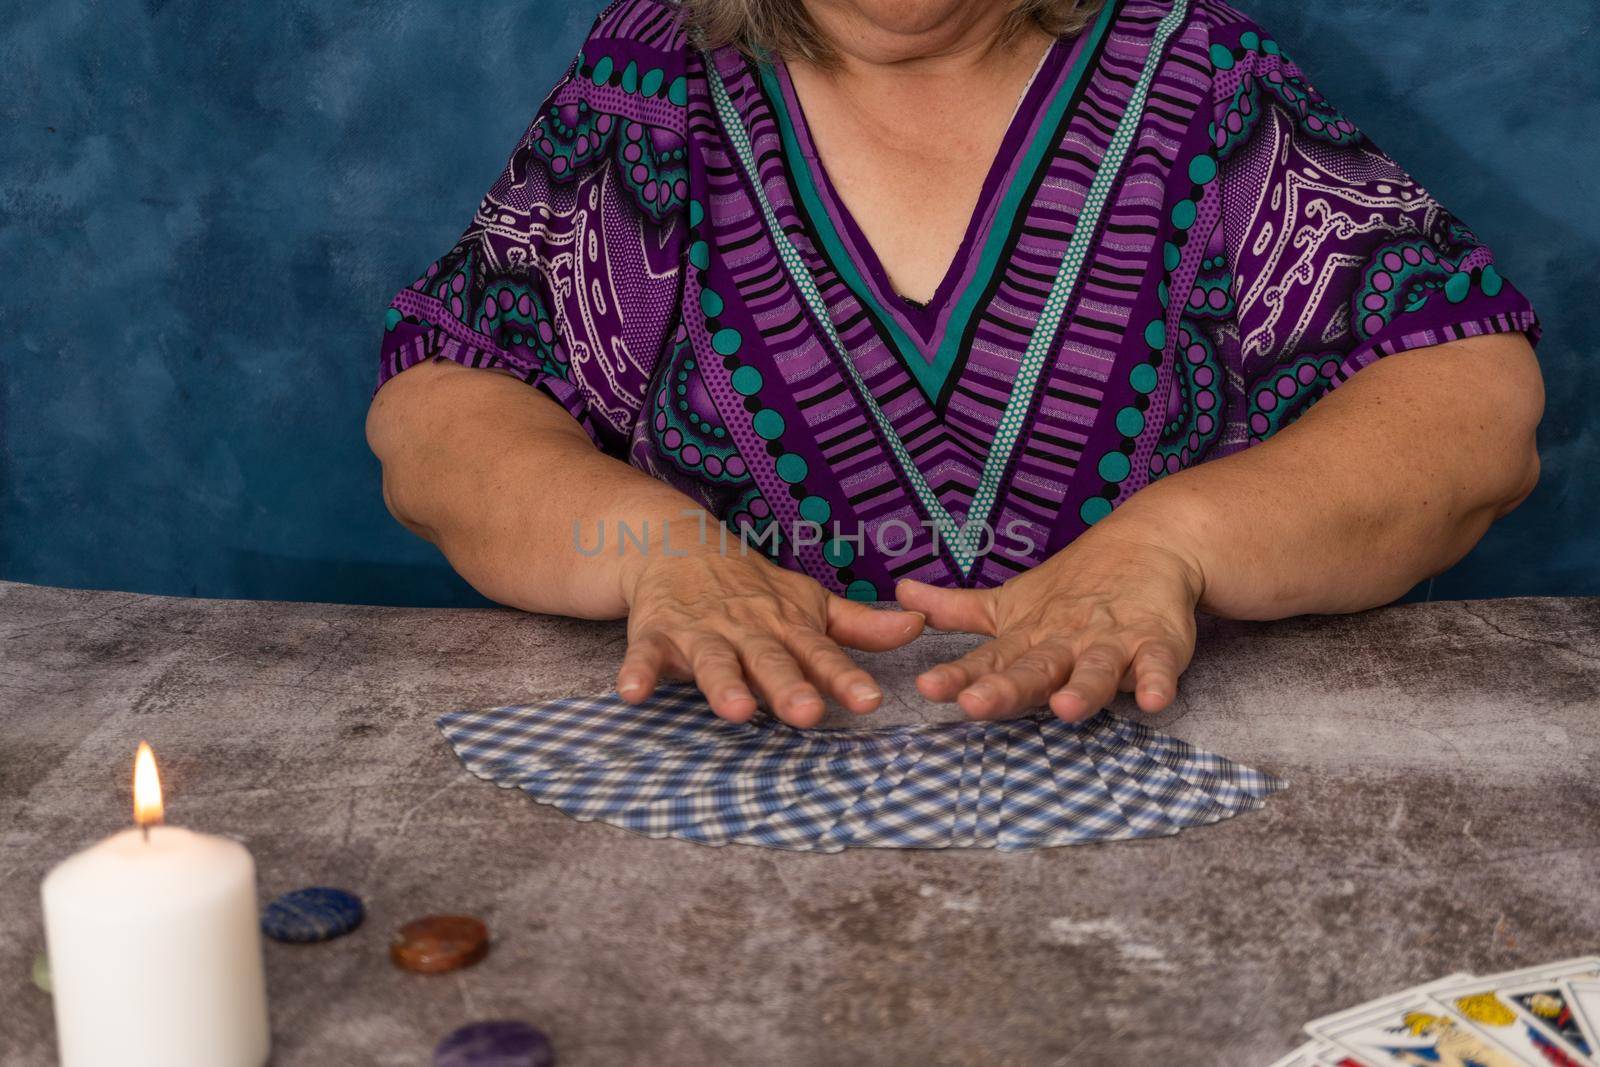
(670, 768)
(1545, 1016)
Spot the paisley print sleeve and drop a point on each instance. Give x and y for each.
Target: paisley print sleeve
(569, 274)
(1327, 256)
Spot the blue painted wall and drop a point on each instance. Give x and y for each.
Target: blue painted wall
(204, 208)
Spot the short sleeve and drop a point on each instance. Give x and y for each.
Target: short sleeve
(1327, 256)
(568, 275)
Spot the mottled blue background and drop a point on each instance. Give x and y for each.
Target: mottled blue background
(204, 208)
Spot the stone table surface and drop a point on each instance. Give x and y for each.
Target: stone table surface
(1443, 815)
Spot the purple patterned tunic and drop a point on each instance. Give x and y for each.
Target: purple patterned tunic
(1180, 247)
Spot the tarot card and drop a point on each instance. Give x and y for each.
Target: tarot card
(1544, 1004)
(1184, 760)
(497, 742)
(711, 816)
(1142, 811)
(968, 796)
(994, 780)
(698, 778)
(1583, 997)
(1060, 799)
(771, 816)
(839, 784)
(1332, 1057)
(1232, 784)
(1089, 807)
(1316, 1054)
(1476, 1000)
(670, 767)
(1409, 1029)
(822, 770)
(1179, 803)
(1028, 808)
(1304, 1056)
(1183, 802)
(919, 812)
(843, 832)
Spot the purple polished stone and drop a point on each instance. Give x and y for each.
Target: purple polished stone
(495, 1043)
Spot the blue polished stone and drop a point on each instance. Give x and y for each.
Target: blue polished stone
(317, 913)
(495, 1043)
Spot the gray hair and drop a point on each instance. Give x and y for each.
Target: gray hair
(784, 28)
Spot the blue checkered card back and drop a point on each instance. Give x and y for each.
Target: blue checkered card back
(670, 768)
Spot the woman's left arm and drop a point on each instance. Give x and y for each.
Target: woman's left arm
(1389, 479)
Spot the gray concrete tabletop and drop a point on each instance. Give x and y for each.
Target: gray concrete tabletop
(1442, 815)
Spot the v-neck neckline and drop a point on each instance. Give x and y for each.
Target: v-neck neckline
(960, 538)
(929, 338)
(1000, 167)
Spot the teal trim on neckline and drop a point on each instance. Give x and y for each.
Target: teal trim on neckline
(932, 375)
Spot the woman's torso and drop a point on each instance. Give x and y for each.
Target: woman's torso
(965, 440)
(1147, 281)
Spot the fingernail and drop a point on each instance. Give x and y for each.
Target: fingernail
(1156, 698)
(864, 691)
(632, 685)
(983, 691)
(1070, 706)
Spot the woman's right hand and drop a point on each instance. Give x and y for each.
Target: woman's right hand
(740, 626)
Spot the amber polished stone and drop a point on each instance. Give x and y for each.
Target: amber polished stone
(438, 943)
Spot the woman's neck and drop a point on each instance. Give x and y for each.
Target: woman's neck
(907, 52)
(909, 118)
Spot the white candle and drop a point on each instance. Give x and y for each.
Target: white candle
(155, 947)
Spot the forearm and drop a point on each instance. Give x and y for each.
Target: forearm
(508, 486)
(1388, 480)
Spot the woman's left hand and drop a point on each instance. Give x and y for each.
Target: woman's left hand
(1110, 611)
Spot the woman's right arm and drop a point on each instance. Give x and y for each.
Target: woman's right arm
(497, 474)
(498, 421)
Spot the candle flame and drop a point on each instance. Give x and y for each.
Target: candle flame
(147, 808)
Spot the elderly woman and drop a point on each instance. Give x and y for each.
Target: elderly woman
(1053, 321)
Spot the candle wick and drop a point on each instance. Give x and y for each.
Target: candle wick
(144, 827)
